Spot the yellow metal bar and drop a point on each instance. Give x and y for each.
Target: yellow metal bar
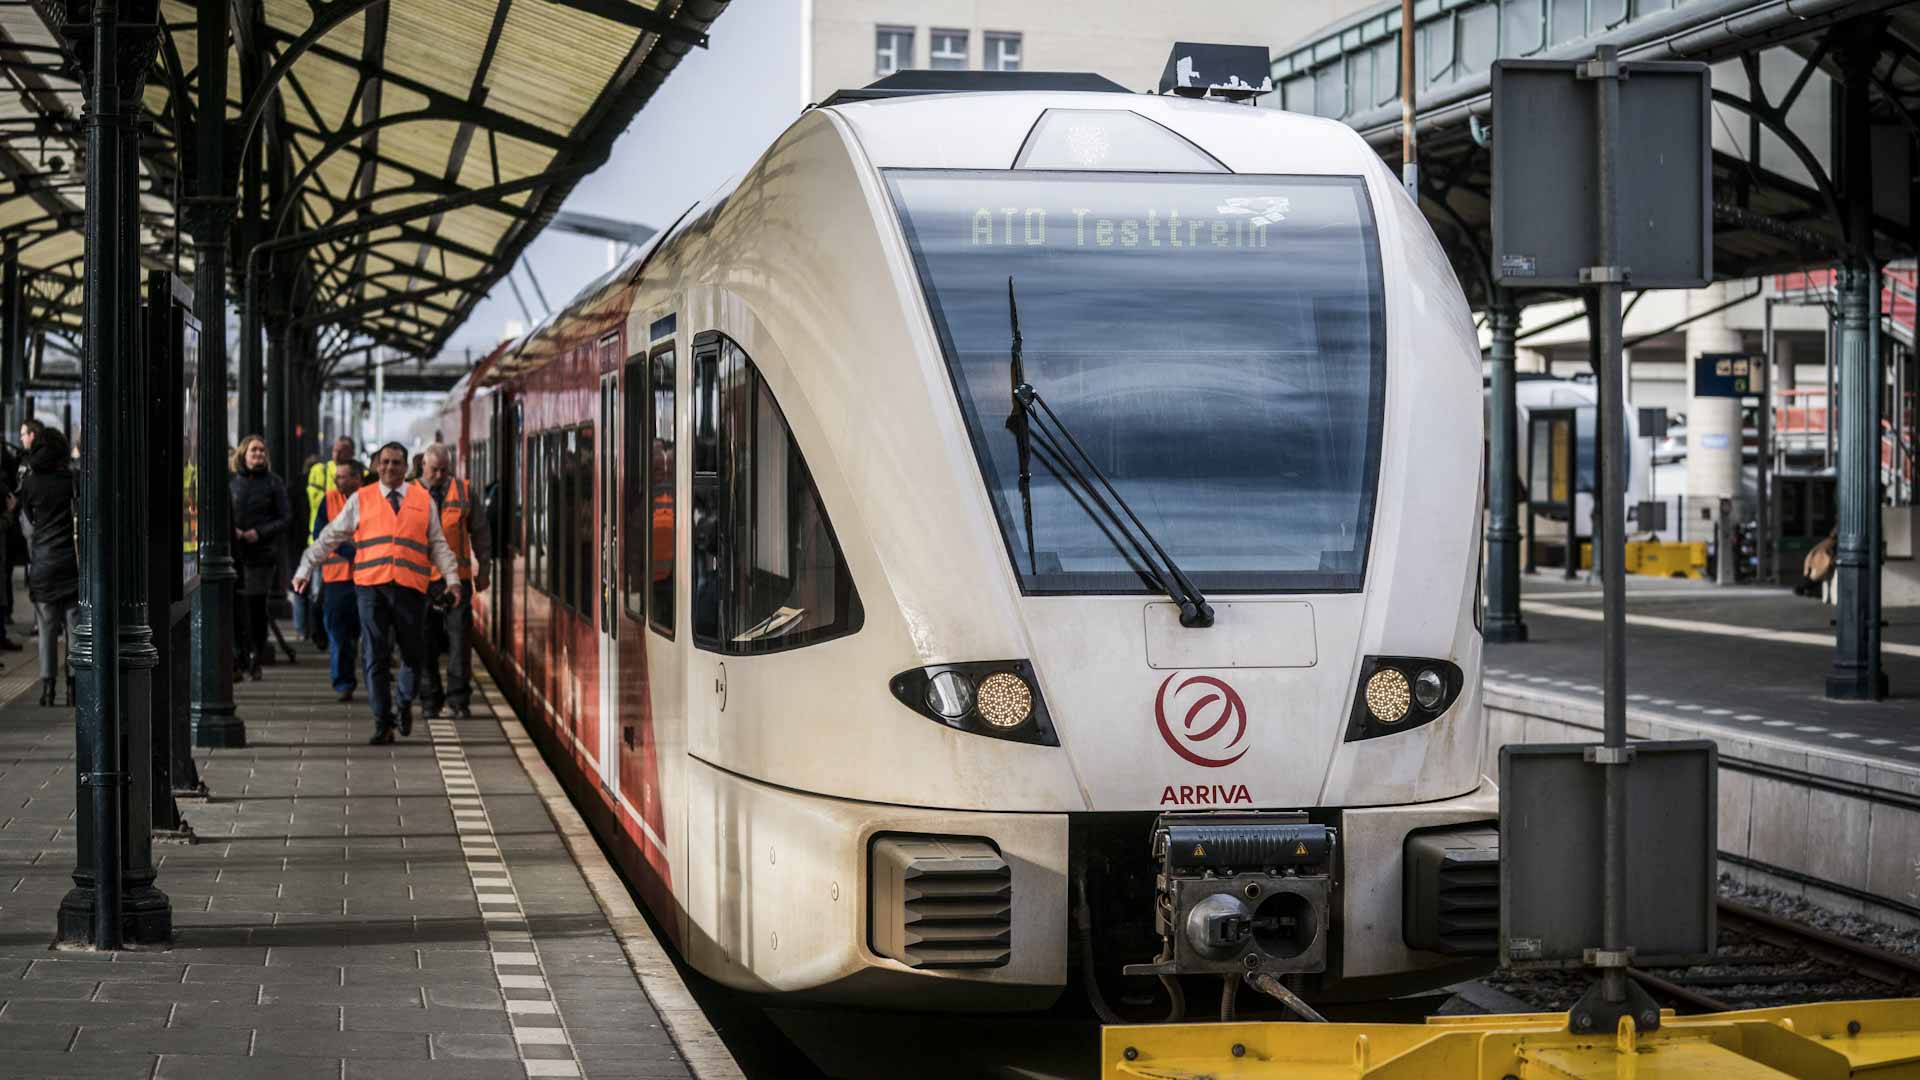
(1828, 1041)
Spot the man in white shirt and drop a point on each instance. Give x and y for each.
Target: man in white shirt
(391, 524)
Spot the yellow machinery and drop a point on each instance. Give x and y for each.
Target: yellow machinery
(1828, 1041)
(1658, 558)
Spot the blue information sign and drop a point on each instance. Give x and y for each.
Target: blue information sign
(1728, 375)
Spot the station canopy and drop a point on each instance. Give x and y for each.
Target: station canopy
(1775, 66)
(489, 109)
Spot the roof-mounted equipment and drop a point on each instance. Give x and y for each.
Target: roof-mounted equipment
(1220, 72)
(914, 82)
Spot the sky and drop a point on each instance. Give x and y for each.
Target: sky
(709, 121)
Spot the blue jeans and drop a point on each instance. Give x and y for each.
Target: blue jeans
(391, 615)
(341, 604)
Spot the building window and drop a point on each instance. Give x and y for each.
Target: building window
(1003, 51)
(892, 49)
(949, 50)
(767, 571)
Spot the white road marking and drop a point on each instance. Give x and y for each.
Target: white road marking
(1661, 622)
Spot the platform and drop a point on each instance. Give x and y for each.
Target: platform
(349, 912)
(1817, 796)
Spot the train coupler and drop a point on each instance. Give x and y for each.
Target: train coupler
(1240, 894)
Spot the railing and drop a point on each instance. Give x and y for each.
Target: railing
(1800, 429)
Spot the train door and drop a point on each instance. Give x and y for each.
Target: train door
(1552, 476)
(706, 666)
(609, 622)
(503, 516)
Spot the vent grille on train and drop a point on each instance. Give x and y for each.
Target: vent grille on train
(1453, 891)
(941, 902)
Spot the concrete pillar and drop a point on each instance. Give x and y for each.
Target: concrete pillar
(1713, 424)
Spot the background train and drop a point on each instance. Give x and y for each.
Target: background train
(1013, 540)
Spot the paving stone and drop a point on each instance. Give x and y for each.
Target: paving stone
(88, 1013)
(64, 1066)
(455, 1069)
(203, 1067)
(153, 1039)
(34, 1035)
(342, 1044)
(231, 1015)
(459, 1045)
(488, 1021)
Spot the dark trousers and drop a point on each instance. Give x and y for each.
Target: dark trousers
(391, 615)
(251, 641)
(455, 625)
(340, 603)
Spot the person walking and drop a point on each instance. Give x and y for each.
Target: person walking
(337, 603)
(464, 521)
(391, 524)
(260, 513)
(45, 507)
(320, 484)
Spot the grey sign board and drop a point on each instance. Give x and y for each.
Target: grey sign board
(1552, 806)
(1546, 167)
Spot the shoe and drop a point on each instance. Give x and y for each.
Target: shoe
(9, 645)
(253, 672)
(406, 719)
(461, 711)
(346, 695)
(383, 737)
(432, 712)
(46, 691)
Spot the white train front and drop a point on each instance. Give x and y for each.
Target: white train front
(848, 532)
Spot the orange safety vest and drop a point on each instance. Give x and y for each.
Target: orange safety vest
(389, 547)
(337, 567)
(453, 522)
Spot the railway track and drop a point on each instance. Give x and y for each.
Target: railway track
(1767, 960)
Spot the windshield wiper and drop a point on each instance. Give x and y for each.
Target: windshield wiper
(1017, 423)
(1195, 612)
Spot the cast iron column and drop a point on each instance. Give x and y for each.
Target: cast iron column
(1856, 673)
(113, 901)
(1502, 621)
(13, 358)
(211, 219)
(252, 373)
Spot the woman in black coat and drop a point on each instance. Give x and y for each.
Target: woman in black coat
(45, 509)
(260, 514)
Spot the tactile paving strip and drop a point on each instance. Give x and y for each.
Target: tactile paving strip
(539, 1033)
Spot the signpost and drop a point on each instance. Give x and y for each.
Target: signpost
(1607, 179)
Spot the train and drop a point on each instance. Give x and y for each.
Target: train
(1009, 542)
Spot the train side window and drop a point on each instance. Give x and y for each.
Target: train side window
(563, 519)
(584, 536)
(769, 574)
(531, 503)
(662, 474)
(706, 495)
(632, 487)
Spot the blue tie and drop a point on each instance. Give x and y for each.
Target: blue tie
(393, 500)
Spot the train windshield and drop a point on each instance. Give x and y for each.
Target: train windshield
(1216, 344)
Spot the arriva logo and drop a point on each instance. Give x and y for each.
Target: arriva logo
(1215, 721)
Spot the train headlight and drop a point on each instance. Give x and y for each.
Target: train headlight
(950, 694)
(1005, 700)
(1387, 696)
(999, 699)
(1429, 689)
(1400, 693)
